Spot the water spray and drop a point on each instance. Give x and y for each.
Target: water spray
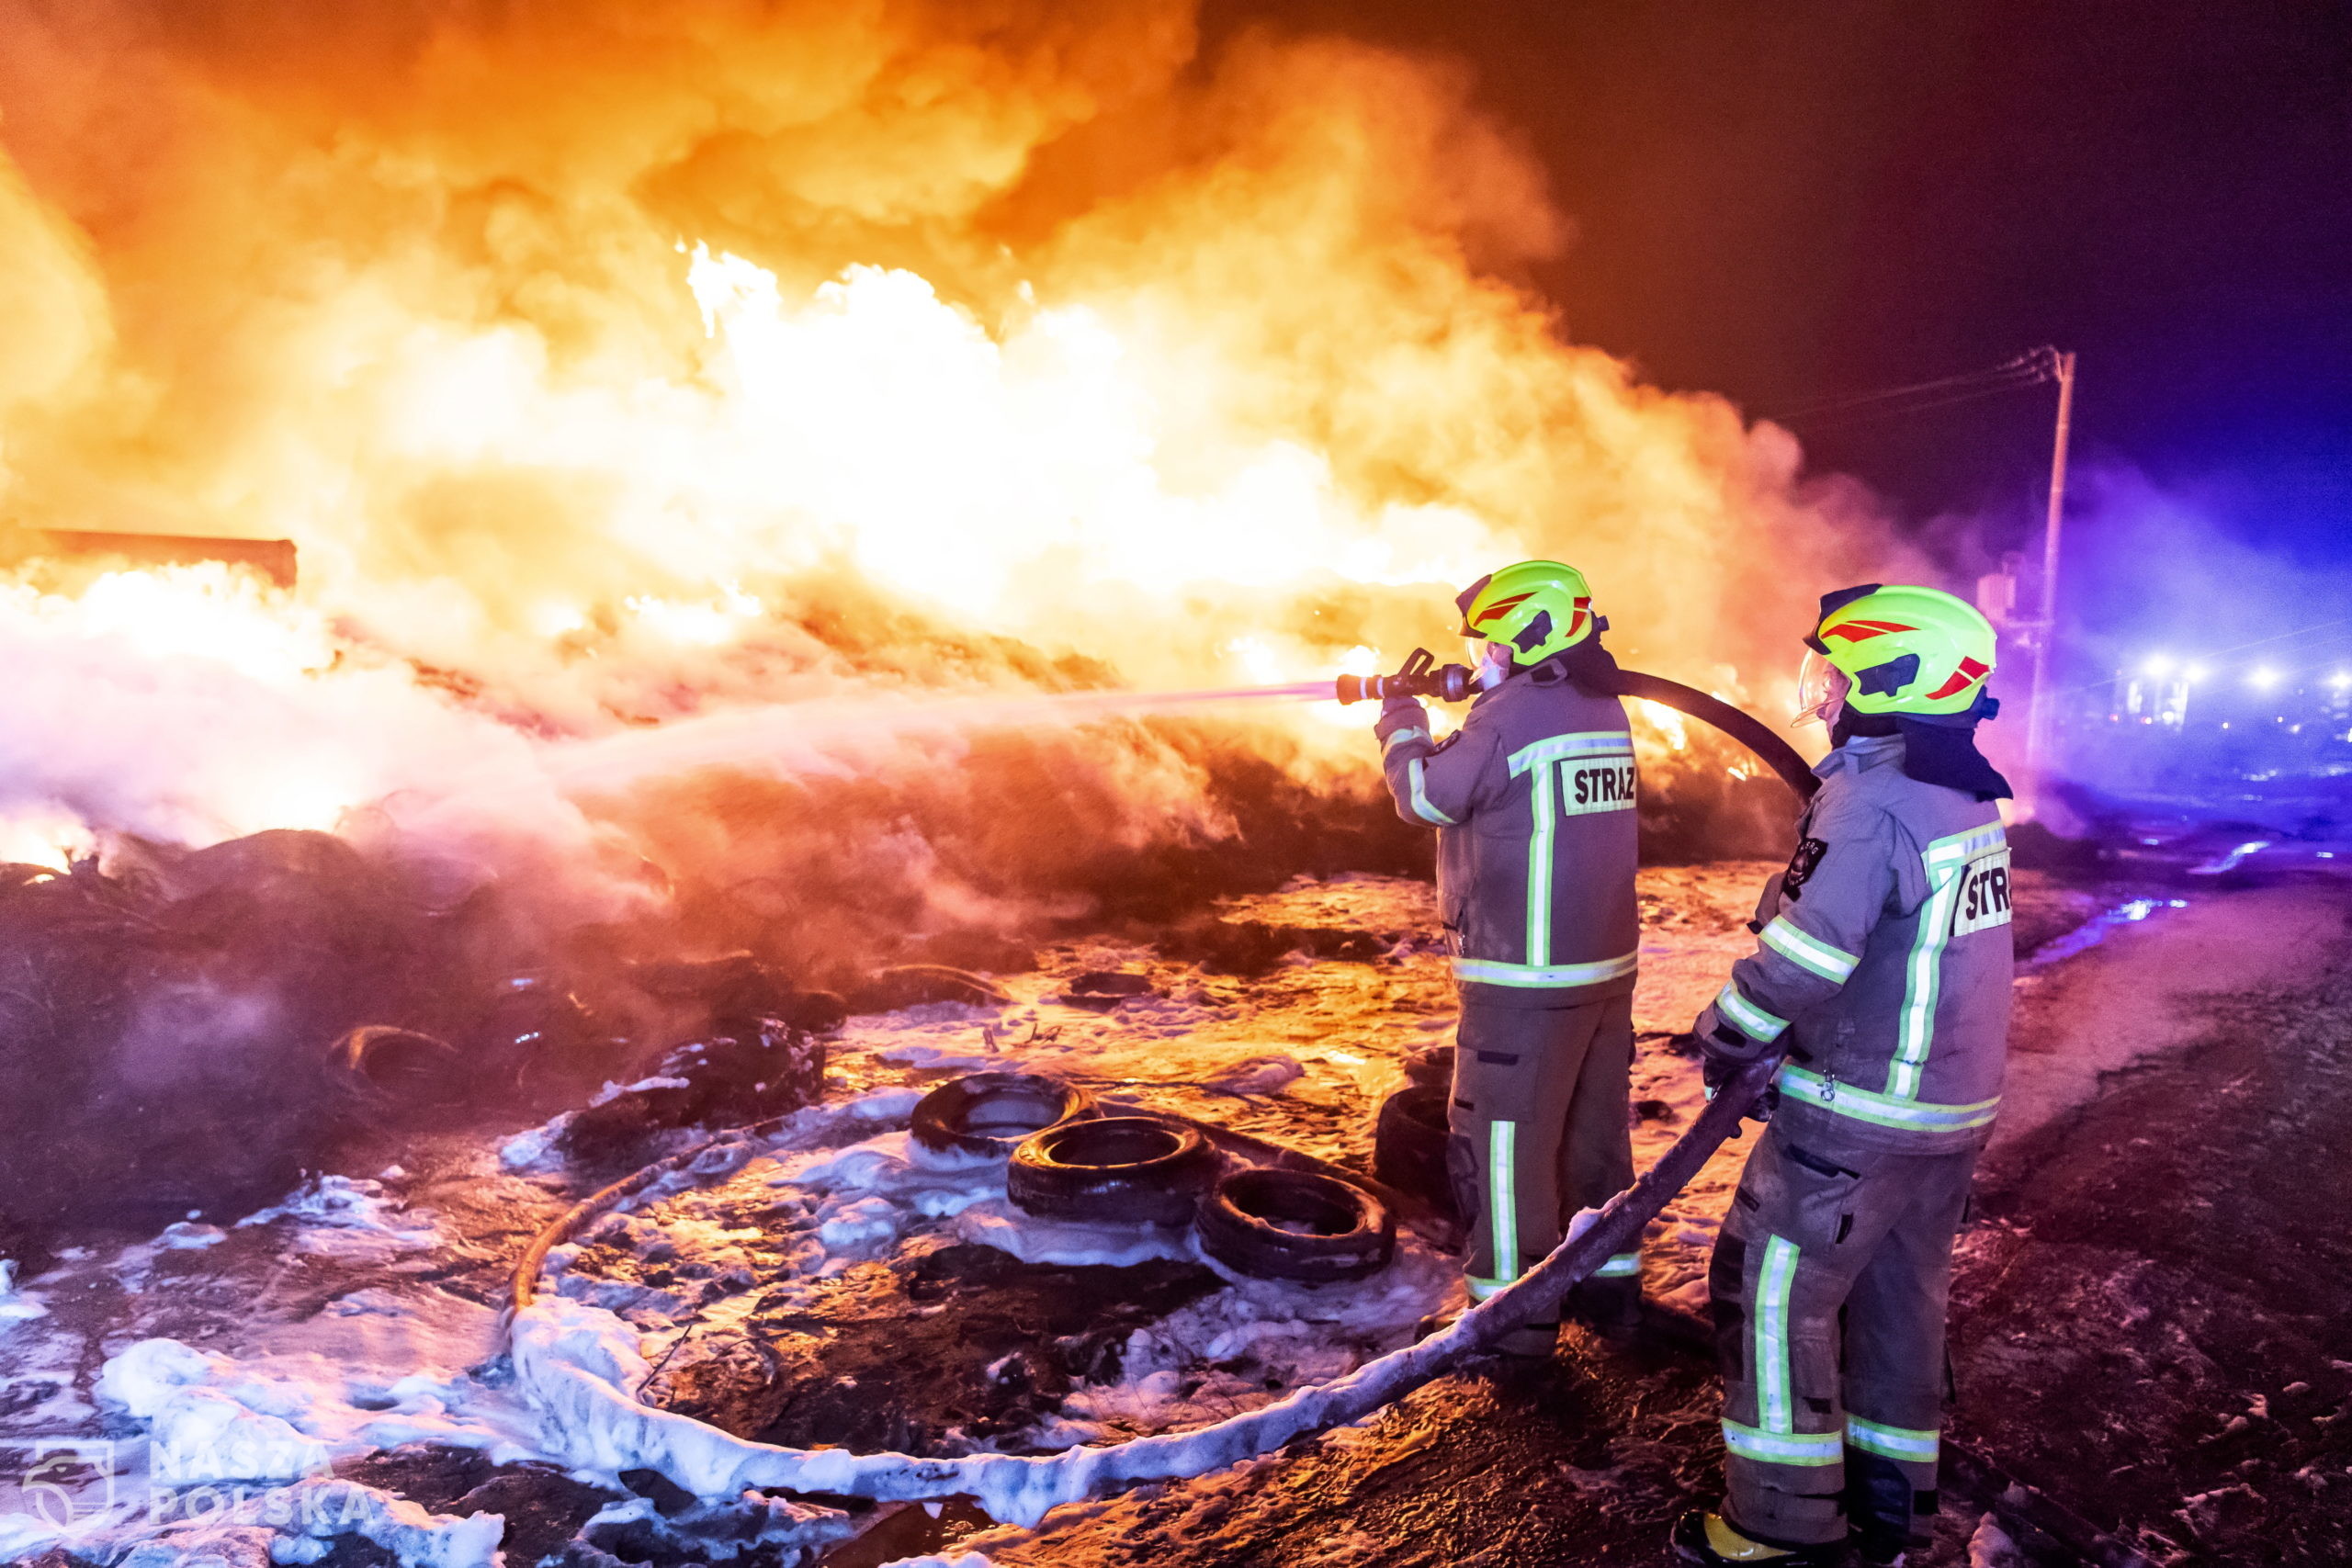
(730, 738)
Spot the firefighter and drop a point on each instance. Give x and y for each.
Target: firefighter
(1882, 972)
(1534, 803)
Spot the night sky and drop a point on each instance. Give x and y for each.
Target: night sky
(1790, 201)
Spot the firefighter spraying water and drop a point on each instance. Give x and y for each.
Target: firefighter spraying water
(1533, 800)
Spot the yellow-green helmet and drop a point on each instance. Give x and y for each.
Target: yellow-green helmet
(1535, 608)
(1905, 650)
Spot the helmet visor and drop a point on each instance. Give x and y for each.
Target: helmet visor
(1821, 691)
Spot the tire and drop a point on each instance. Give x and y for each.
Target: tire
(1408, 1146)
(915, 985)
(400, 1066)
(1114, 1171)
(1296, 1224)
(1432, 1066)
(987, 1115)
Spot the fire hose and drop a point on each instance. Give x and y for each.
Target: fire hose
(1423, 676)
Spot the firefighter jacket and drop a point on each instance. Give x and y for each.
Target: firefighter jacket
(1533, 803)
(1884, 964)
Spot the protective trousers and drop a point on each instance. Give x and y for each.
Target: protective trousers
(1829, 1286)
(1538, 1130)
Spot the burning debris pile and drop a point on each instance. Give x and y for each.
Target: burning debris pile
(696, 498)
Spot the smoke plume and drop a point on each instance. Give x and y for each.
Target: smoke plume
(614, 365)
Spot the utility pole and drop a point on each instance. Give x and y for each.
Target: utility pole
(2038, 717)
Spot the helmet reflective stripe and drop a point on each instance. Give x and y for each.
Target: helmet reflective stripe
(1968, 674)
(1808, 952)
(1905, 649)
(1915, 1031)
(1911, 1443)
(1774, 1284)
(1783, 1448)
(1529, 977)
(1883, 1110)
(1746, 1017)
(1499, 609)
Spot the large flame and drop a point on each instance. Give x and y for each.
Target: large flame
(613, 363)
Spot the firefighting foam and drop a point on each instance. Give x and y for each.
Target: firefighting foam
(613, 369)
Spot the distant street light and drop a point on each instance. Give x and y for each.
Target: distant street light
(2159, 665)
(2263, 679)
(2194, 672)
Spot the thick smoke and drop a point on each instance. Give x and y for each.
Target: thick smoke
(615, 364)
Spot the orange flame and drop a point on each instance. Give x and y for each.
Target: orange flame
(612, 362)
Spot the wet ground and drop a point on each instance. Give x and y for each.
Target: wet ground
(2151, 1317)
(2148, 1318)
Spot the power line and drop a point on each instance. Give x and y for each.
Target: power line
(1865, 415)
(2033, 367)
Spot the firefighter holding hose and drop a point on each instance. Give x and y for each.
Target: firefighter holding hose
(1882, 972)
(1534, 803)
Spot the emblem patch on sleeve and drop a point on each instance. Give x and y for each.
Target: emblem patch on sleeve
(1983, 894)
(1803, 864)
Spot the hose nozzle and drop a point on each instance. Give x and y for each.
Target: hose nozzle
(1423, 676)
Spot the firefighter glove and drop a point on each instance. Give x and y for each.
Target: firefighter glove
(1400, 714)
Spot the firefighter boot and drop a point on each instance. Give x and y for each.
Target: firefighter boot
(1882, 1507)
(1707, 1538)
(1609, 1307)
(1534, 1342)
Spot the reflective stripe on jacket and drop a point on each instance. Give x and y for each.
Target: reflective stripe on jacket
(1884, 957)
(1534, 804)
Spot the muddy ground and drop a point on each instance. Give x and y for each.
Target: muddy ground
(2149, 1323)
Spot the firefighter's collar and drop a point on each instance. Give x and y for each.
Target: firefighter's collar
(1860, 753)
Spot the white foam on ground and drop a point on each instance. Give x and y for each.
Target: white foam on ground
(16, 1305)
(349, 1218)
(535, 1148)
(337, 1385)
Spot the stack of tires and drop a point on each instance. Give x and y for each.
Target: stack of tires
(1069, 1163)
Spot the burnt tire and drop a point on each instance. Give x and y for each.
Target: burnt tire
(1410, 1143)
(398, 1065)
(1114, 1170)
(989, 1115)
(1296, 1224)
